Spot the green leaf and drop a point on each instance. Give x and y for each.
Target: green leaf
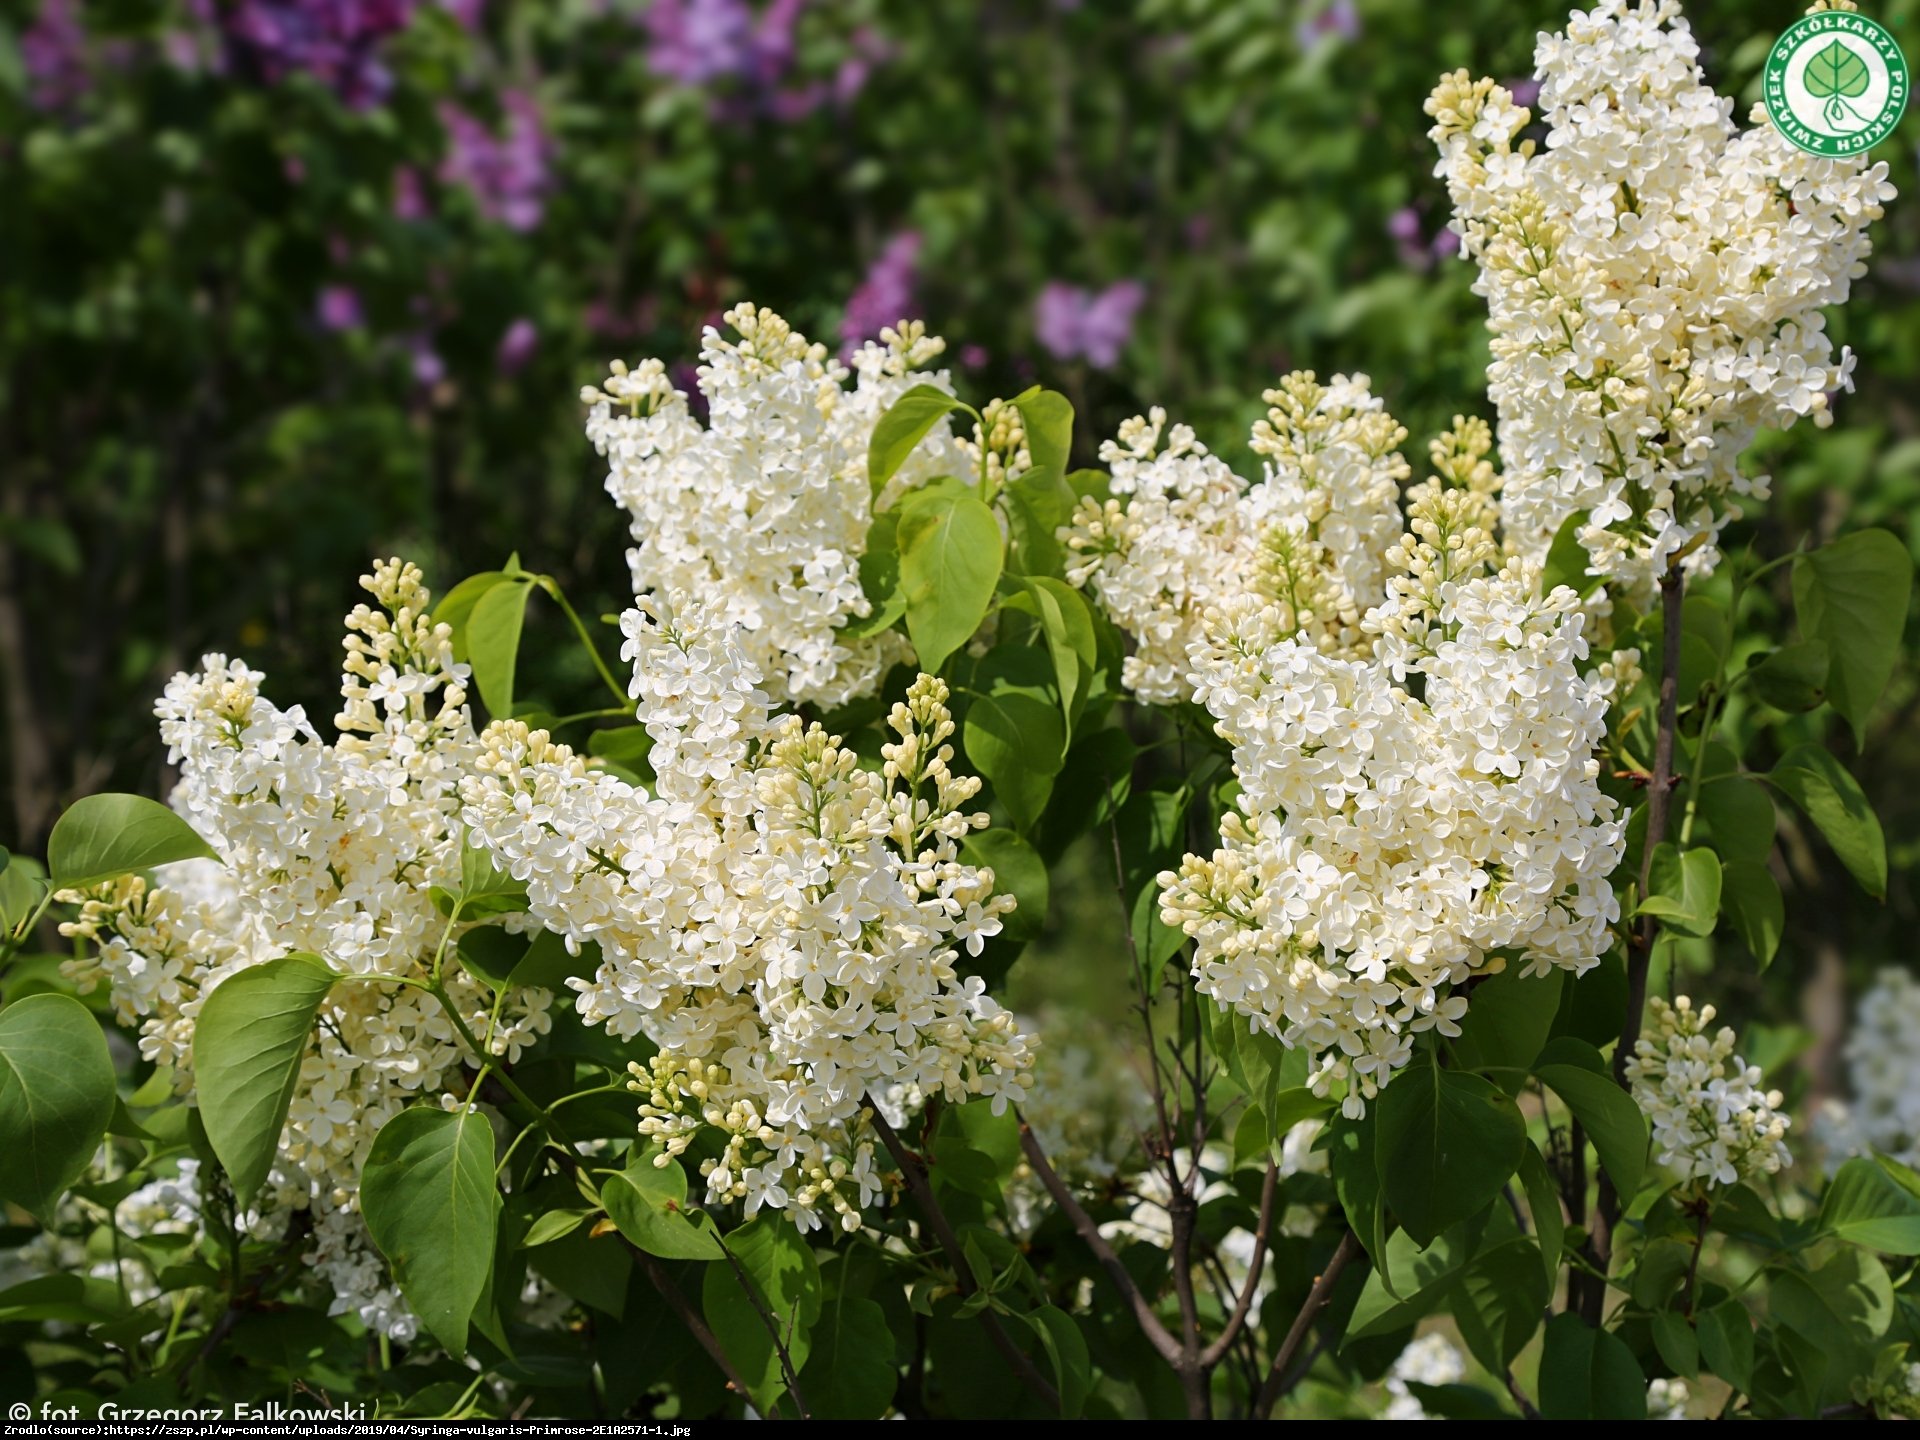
(1836, 70)
(430, 1204)
(880, 579)
(554, 1225)
(1866, 1206)
(456, 606)
(1567, 560)
(1067, 624)
(1832, 799)
(1014, 739)
(648, 1203)
(1736, 817)
(1425, 1273)
(1066, 1347)
(1543, 1204)
(1018, 871)
(1853, 594)
(1613, 1122)
(904, 426)
(1458, 1402)
(1037, 503)
(1507, 1023)
(1792, 678)
(247, 1047)
(593, 1269)
(22, 884)
(1498, 1300)
(851, 1373)
(484, 891)
(786, 1278)
(56, 1099)
(1447, 1143)
(1351, 1148)
(950, 560)
(1588, 1374)
(1047, 417)
(1685, 889)
(1676, 1342)
(107, 835)
(1843, 1308)
(1750, 899)
(1726, 1342)
(493, 643)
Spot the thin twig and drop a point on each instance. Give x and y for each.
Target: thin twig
(1156, 1333)
(1322, 1291)
(780, 1350)
(1606, 1213)
(1243, 1306)
(914, 1172)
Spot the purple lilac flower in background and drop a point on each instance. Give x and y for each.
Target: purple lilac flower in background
(507, 174)
(516, 347)
(53, 52)
(885, 297)
(1340, 19)
(1073, 323)
(1416, 251)
(696, 42)
(1525, 90)
(336, 41)
(338, 308)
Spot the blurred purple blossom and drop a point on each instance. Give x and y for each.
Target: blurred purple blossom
(468, 12)
(338, 308)
(885, 296)
(973, 357)
(507, 174)
(428, 368)
(1073, 323)
(1417, 252)
(53, 50)
(409, 195)
(336, 41)
(696, 42)
(516, 347)
(1525, 90)
(1340, 18)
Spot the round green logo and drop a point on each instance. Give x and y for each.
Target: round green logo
(1836, 83)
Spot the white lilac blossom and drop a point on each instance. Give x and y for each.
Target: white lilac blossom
(1882, 1112)
(1654, 277)
(761, 514)
(1430, 1360)
(1390, 842)
(1181, 533)
(332, 850)
(780, 922)
(1667, 1398)
(1712, 1124)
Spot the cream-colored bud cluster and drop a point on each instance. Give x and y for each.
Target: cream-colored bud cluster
(1655, 279)
(762, 512)
(1712, 1123)
(1182, 534)
(326, 849)
(781, 922)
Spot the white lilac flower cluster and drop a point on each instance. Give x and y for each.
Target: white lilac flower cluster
(1668, 1398)
(1712, 1124)
(1405, 821)
(1654, 278)
(779, 921)
(1882, 1112)
(165, 1205)
(761, 514)
(328, 849)
(1180, 533)
(1430, 1360)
